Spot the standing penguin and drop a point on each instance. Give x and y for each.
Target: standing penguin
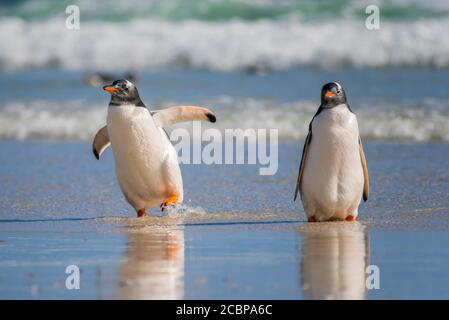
(146, 162)
(333, 176)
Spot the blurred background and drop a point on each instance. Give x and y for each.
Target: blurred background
(264, 59)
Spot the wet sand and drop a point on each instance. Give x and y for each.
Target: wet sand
(238, 236)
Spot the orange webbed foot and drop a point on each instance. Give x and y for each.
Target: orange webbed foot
(350, 218)
(141, 213)
(311, 219)
(169, 201)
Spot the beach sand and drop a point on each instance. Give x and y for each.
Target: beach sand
(239, 235)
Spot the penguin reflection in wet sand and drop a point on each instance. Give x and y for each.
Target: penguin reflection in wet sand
(333, 176)
(146, 162)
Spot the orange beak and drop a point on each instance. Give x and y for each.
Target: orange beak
(329, 94)
(109, 88)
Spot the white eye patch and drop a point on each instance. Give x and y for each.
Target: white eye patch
(128, 84)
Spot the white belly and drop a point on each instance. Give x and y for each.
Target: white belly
(332, 183)
(145, 161)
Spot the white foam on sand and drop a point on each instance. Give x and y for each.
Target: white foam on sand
(183, 210)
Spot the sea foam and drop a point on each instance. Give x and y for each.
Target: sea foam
(222, 45)
(79, 120)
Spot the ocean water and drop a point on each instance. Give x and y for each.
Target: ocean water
(391, 104)
(223, 35)
(256, 64)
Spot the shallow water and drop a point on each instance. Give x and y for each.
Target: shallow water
(256, 64)
(60, 206)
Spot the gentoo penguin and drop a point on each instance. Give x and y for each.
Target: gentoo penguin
(258, 69)
(99, 78)
(146, 162)
(333, 176)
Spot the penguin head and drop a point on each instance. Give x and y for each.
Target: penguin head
(123, 92)
(332, 95)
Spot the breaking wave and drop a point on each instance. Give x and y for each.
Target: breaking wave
(223, 34)
(223, 45)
